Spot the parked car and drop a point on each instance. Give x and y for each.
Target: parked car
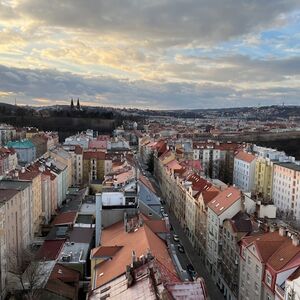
(165, 215)
(176, 238)
(180, 248)
(190, 269)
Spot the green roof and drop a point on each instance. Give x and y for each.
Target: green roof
(23, 144)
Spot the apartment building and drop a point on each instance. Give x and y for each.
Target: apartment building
(217, 159)
(34, 176)
(25, 149)
(263, 178)
(224, 206)
(286, 188)
(93, 166)
(8, 160)
(202, 200)
(266, 157)
(266, 262)
(7, 133)
(65, 158)
(244, 171)
(17, 198)
(3, 250)
(233, 231)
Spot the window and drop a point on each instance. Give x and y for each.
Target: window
(249, 260)
(256, 268)
(268, 279)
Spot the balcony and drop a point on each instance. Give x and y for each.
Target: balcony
(279, 291)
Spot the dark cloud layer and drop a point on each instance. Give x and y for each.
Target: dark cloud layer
(29, 84)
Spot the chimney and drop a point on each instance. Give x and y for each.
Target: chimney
(282, 231)
(129, 276)
(98, 218)
(133, 258)
(295, 240)
(272, 228)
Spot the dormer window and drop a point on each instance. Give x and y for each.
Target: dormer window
(268, 278)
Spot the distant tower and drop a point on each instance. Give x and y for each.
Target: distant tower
(72, 104)
(78, 104)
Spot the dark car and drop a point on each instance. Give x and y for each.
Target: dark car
(190, 269)
(180, 248)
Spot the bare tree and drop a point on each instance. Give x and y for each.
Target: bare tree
(27, 275)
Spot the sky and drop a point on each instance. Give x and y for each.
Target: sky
(158, 54)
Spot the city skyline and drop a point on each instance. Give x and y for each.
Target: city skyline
(162, 55)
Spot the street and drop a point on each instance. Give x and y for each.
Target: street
(190, 256)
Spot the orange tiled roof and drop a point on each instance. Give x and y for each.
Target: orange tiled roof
(106, 251)
(157, 226)
(224, 200)
(140, 240)
(244, 156)
(275, 250)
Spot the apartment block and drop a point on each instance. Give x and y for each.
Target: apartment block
(286, 188)
(224, 206)
(244, 171)
(25, 149)
(93, 165)
(266, 261)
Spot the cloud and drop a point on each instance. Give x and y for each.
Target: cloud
(54, 87)
(161, 22)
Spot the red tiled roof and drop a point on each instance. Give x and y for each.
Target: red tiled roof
(273, 249)
(244, 156)
(99, 155)
(64, 274)
(157, 226)
(105, 251)
(78, 150)
(209, 194)
(61, 289)
(29, 174)
(66, 218)
(224, 200)
(50, 249)
(198, 183)
(140, 240)
(97, 144)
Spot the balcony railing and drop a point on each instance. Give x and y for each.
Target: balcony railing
(279, 291)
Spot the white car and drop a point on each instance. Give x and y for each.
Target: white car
(176, 238)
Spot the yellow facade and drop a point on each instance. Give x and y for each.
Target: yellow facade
(37, 202)
(263, 177)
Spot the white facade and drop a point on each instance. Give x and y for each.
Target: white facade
(3, 256)
(292, 289)
(213, 238)
(244, 174)
(286, 188)
(251, 274)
